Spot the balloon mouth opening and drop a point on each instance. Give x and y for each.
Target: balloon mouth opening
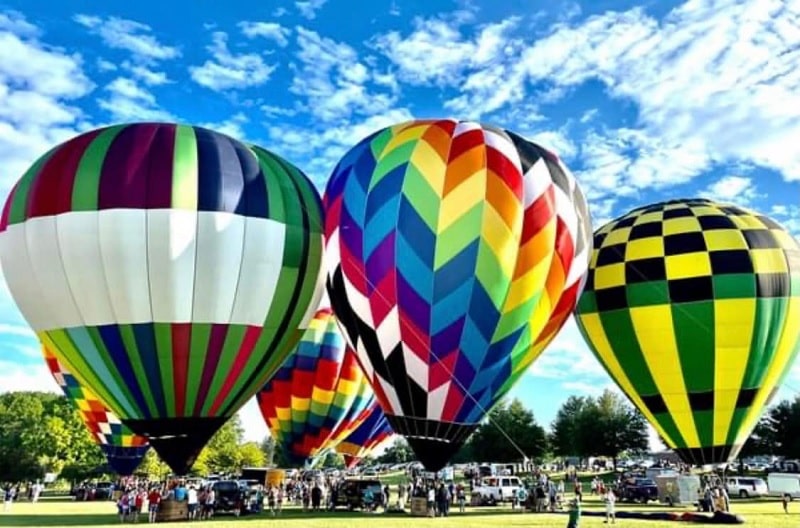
(178, 441)
(434, 442)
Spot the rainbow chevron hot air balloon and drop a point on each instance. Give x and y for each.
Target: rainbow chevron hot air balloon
(170, 268)
(369, 435)
(693, 307)
(455, 253)
(124, 450)
(314, 391)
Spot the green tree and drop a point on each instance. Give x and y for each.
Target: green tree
(612, 426)
(780, 428)
(42, 432)
(333, 459)
(397, 453)
(222, 453)
(153, 467)
(565, 437)
(268, 448)
(251, 455)
(509, 434)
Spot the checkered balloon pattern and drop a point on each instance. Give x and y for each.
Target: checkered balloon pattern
(314, 391)
(693, 307)
(123, 449)
(455, 253)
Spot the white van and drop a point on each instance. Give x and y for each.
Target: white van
(498, 489)
(745, 487)
(781, 484)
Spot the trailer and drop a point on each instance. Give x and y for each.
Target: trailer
(675, 489)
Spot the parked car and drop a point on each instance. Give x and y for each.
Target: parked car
(638, 490)
(231, 497)
(351, 492)
(497, 489)
(745, 487)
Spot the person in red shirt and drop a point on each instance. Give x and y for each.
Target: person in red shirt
(139, 502)
(154, 499)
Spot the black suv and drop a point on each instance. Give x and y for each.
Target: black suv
(231, 497)
(351, 492)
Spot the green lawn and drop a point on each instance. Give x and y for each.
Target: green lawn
(53, 512)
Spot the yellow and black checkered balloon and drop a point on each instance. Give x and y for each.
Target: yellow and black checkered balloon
(693, 308)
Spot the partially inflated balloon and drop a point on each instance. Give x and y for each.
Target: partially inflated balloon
(123, 448)
(169, 267)
(369, 435)
(693, 308)
(448, 257)
(314, 390)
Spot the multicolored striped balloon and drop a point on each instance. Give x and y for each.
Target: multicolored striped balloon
(314, 390)
(123, 448)
(365, 438)
(171, 268)
(455, 253)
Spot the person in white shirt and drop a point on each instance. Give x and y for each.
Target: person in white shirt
(610, 499)
(432, 501)
(191, 501)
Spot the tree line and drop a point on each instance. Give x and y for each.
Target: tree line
(42, 433)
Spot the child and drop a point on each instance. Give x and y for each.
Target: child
(574, 514)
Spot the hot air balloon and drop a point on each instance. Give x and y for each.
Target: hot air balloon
(693, 307)
(170, 268)
(369, 435)
(123, 449)
(310, 396)
(449, 246)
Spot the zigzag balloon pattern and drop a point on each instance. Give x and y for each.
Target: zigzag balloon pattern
(455, 253)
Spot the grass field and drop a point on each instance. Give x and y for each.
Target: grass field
(54, 513)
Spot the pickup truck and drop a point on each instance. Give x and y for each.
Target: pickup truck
(497, 489)
(638, 490)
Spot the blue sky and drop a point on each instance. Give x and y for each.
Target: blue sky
(644, 101)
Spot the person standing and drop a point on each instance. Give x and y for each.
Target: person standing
(574, 514)
(610, 500)
(191, 502)
(153, 501)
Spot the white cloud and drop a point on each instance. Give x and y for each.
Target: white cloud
(279, 12)
(38, 86)
(323, 147)
(128, 35)
(17, 330)
(309, 8)
(268, 30)
(333, 81)
(127, 101)
(146, 75)
(737, 190)
(437, 53)
(24, 377)
(568, 357)
(229, 71)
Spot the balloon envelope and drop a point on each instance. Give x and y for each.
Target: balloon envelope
(693, 308)
(449, 246)
(169, 267)
(369, 435)
(124, 450)
(314, 391)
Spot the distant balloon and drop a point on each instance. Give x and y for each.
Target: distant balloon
(169, 267)
(456, 252)
(314, 391)
(693, 307)
(124, 450)
(369, 435)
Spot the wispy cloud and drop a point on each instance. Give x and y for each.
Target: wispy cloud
(268, 30)
(309, 8)
(128, 35)
(230, 71)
